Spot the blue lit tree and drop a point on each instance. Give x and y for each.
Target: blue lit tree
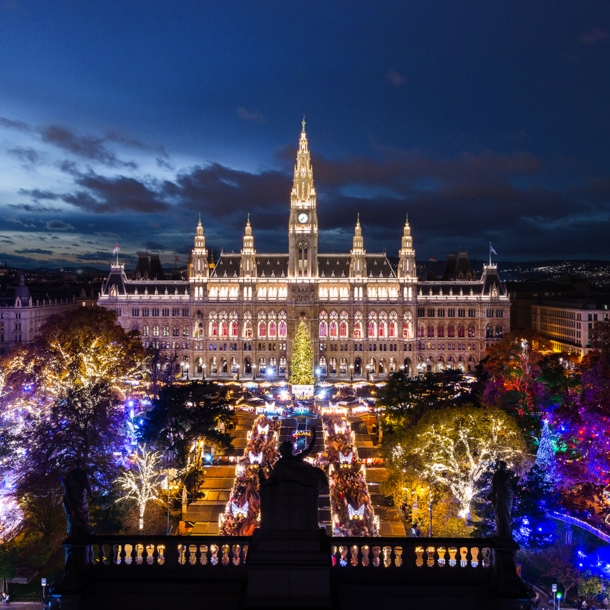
(545, 456)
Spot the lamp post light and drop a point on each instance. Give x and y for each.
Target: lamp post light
(351, 372)
(203, 369)
(186, 366)
(238, 372)
(254, 371)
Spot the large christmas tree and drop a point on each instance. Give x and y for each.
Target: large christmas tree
(545, 456)
(302, 358)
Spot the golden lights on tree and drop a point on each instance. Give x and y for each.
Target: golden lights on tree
(141, 483)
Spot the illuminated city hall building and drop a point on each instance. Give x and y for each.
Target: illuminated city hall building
(366, 317)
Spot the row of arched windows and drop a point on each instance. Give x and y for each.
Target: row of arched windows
(462, 331)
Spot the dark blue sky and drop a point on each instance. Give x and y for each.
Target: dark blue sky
(120, 121)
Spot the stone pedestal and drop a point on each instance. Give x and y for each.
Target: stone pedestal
(511, 590)
(289, 557)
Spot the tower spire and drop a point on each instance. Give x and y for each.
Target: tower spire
(303, 123)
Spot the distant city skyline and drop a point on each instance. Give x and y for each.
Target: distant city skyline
(123, 123)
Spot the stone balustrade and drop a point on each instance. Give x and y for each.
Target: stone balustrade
(439, 559)
(403, 558)
(110, 556)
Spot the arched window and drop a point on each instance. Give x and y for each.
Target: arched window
(406, 330)
(234, 329)
(323, 329)
(224, 328)
(357, 330)
(392, 330)
(283, 329)
(440, 331)
(382, 330)
(343, 330)
(471, 331)
(461, 331)
(155, 331)
(333, 366)
(214, 329)
(372, 329)
(430, 331)
(451, 331)
(499, 331)
(248, 330)
(489, 331)
(420, 331)
(333, 330)
(323, 370)
(145, 330)
(272, 329)
(262, 329)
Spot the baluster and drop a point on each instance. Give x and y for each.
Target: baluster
(161, 556)
(203, 557)
(366, 549)
(214, 552)
(419, 556)
(430, 556)
(155, 554)
(452, 554)
(225, 555)
(486, 562)
(387, 556)
(343, 556)
(128, 550)
(143, 554)
(441, 556)
(474, 554)
(376, 552)
(354, 553)
(182, 554)
(120, 554)
(463, 555)
(192, 554)
(236, 554)
(245, 553)
(398, 556)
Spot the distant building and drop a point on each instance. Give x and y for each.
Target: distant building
(566, 321)
(366, 317)
(21, 316)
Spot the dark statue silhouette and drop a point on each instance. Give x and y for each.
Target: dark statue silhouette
(294, 468)
(502, 500)
(76, 487)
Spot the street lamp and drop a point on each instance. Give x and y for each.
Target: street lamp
(351, 372)
(254, 371)
(186, 366)
(238, 372)
(203, 368)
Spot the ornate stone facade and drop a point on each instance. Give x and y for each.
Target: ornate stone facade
(366, 317)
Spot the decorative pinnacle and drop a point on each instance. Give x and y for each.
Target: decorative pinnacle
(407, 221)
(358, 218)
(303, 123)
(248, 217)
(199, 217)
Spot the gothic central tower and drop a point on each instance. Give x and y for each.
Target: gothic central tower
(303, 223)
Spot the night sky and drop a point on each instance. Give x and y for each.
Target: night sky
(484, 120)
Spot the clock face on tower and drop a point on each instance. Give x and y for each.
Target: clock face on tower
(303, 217)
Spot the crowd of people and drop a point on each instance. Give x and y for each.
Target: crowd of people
(353, 513)
(243, 508)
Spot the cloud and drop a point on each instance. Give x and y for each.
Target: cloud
(93, 148)
(253, 117)
(593, 36)
(395, 78)
(103, 194)
(87, 147)
(38, 194)
(153, 245)
(26, 207)
(58, 225)
(28, 156)
(34, 251)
